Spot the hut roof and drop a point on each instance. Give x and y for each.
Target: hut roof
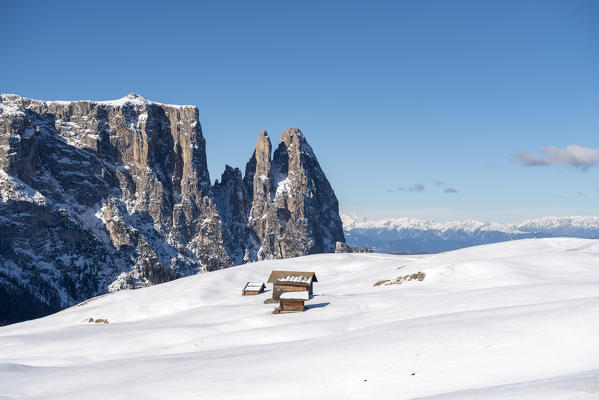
(303, 295)
(254, 286)
(296, 278)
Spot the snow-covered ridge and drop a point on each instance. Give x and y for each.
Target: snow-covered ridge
(10, 102)
(409, 235)
(539, 224)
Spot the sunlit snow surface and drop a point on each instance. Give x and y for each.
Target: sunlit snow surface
(515, 320)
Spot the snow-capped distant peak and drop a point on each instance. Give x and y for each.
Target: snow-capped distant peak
(353, 222)
(410, 235)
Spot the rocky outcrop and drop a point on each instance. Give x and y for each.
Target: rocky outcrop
(342, 247)
(283, 207)
(98, 196)
(294, 209)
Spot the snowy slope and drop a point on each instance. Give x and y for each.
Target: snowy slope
(416, 236)
(515, 320)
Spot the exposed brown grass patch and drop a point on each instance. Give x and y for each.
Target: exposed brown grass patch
(418, 276)
(98, 321)
(383, 282)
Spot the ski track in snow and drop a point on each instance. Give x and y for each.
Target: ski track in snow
(513, 320)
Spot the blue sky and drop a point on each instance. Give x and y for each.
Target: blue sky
(394, 97)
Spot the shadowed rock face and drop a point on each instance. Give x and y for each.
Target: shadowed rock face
(103, 196)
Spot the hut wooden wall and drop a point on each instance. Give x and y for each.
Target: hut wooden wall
(279, 288)
(292, 305)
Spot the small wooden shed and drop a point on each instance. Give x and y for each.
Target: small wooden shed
(291, 281)
(253, 288)
(292, 302)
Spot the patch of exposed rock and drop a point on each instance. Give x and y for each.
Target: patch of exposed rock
(342, 247)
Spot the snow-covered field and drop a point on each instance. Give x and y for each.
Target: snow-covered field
(514, 320)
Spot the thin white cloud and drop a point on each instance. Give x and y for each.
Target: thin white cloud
(572, 155)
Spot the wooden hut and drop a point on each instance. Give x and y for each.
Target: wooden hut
(292, 302)
(291, 281)
(253, 288)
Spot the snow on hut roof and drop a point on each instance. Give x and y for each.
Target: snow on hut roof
(303, 295)
(297, 278)
(254, 286)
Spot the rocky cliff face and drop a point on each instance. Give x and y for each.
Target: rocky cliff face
(283, 207)
(294, 209)
(98, 196)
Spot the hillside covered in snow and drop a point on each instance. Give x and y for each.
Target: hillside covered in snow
(415, 236)
(515, 320)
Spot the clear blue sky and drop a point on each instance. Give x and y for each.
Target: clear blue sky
(393, 96)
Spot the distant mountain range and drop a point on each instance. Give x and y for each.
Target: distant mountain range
(413, 236)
